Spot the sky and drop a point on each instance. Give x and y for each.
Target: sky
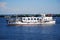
(29, 6)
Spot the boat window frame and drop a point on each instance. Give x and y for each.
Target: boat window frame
(24, 19)
(37, 18)
(31, 18)
(34, 18)
(28, 18)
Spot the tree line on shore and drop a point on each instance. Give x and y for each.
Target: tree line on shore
(29, 15)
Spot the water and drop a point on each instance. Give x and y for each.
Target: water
(29, 32)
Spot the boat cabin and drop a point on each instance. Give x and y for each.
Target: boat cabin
(31, 19)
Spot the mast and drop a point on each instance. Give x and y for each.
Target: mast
(43, 16)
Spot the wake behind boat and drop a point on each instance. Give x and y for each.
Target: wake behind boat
(32, 20)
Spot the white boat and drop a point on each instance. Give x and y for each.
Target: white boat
(33, 20)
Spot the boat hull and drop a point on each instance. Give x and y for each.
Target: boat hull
(21, 23)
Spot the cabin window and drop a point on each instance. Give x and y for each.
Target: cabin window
(28, 18)
(31, 18)
(37, 18)
(34, 18)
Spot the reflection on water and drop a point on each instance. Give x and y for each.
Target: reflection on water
(29, 32)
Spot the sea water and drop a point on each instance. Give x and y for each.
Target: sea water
(29, 32)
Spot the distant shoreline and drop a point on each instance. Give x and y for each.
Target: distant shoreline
(26, 15)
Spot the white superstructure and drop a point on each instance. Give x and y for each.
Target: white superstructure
(33, 20)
